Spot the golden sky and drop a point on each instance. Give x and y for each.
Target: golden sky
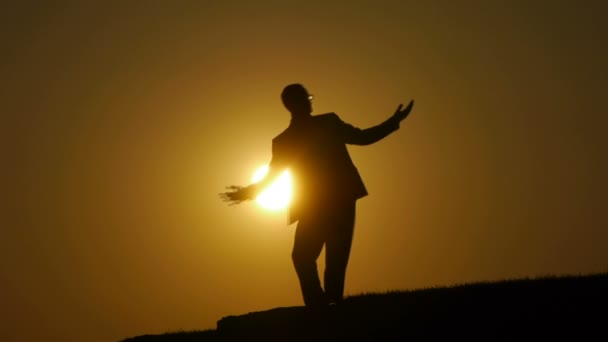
(122, 123)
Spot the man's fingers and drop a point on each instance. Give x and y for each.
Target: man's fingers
(399, 108)
(407, 110)
(410, 105)
(225, 197)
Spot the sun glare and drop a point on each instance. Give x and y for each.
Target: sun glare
(278, 194)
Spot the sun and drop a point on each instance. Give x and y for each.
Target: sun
(278, 194)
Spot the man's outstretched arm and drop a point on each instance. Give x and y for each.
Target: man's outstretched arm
(357, 136)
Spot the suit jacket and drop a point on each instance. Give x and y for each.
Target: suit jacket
(314, 150)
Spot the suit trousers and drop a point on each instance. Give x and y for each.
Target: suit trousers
(330, 225)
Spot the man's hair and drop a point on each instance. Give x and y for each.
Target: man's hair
(293, 94)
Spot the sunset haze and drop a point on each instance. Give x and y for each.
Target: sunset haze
(121, 123)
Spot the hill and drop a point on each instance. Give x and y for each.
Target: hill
(568, 307)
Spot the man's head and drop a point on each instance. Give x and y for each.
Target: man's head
(297, 100)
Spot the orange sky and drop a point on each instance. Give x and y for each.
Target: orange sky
(122, 123)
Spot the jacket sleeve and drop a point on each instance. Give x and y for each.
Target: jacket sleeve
(277, 161)
(357, 136)
(277, 165)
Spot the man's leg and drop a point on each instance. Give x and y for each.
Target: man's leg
(307, 246)
(337, 249)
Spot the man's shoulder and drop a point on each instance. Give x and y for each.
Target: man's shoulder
(326, 116)
(286, 137)
(289, 132)
(327, 119)
(281, 136)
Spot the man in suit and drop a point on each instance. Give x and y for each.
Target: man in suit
(326, 187)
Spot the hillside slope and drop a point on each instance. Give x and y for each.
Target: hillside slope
(573, 307)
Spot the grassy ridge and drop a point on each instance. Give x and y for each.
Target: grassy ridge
(539, 309)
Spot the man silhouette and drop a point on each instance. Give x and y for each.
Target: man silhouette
(326, 187)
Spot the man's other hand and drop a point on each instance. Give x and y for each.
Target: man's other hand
(236, 195)
(401, 114)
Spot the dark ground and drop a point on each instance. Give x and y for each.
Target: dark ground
(556, 308)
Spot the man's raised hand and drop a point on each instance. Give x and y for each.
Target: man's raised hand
(401, 114)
